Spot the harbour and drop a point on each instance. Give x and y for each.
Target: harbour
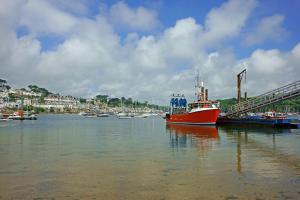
(149, 100)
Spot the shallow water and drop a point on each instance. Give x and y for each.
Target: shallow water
(72, 157)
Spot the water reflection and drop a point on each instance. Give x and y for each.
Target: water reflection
(254, 129)
(182, 136)
(258, 136)
(268, 143)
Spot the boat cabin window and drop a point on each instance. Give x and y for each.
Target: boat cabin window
(200, 105)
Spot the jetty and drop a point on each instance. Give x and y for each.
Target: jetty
(237, 114)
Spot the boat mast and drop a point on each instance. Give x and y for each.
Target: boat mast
(199, 88)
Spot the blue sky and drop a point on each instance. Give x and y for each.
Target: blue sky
(170, 11)
(149, 49)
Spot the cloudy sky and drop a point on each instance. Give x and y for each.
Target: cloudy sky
(149, 49)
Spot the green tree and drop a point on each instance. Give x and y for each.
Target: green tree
(82, 100)
(3, 81)
(37, 89)
(123, 99)
(39, 109)
(128, 102)
(114, 102)
(102, 98)
(225, 104)
(3, 84)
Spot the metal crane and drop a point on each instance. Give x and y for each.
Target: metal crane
(239, 81)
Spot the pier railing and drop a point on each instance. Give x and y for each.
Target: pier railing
(274, 96)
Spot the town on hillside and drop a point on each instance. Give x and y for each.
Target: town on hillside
(37, 99)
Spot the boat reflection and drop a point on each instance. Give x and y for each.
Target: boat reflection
(184, 136)
(197, 131)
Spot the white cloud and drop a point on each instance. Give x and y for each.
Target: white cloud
(267, 62)
(124, 17)
(39, 16)
(76, 7)
(182, 40)
(296, 52)
(269, 28)
(227, 20)
(272, 68)
(93, 59)
(9, 14)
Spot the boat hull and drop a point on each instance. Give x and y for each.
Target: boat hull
(203, 117)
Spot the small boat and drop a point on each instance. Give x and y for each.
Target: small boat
(31, 117)
(145, 115)
(123, 116)
(141, 115)
(90, 115)
(15, 117)
(87, 114)
(19, 115)
(4, 115)
(82, 113)
(273, 115)
(163, 114)
(102, 115)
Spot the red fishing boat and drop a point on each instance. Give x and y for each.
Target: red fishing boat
(200, 112)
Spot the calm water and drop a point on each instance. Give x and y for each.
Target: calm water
(71, 157)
